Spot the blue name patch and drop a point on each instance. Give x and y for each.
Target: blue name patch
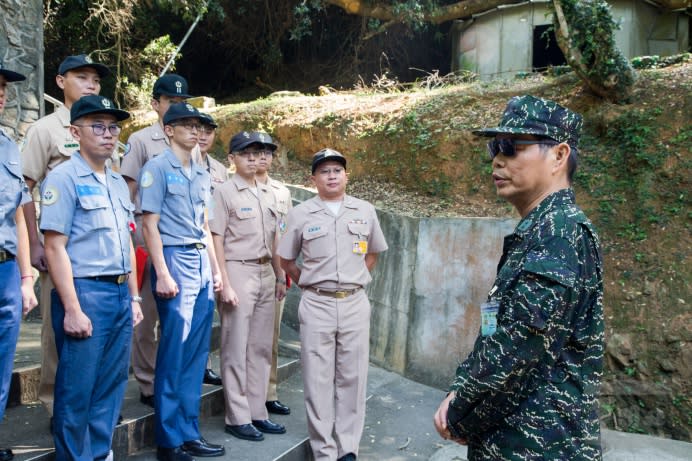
(314, 229)
(172, 178)
(84, 190)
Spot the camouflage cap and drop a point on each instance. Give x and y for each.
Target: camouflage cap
(541, 117)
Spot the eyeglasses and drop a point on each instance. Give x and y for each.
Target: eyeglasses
(99, 129)
(256, 153)
(506, 146)
(189, 125)
(206, 129)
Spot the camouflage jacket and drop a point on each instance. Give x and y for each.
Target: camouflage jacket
(529, 391)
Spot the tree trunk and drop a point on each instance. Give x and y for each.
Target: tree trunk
(584, 30)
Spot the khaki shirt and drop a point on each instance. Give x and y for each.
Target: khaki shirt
(142, 146)
(331, 248)
(217, 171)
(247, 222)
(48, 143)
(283, 202)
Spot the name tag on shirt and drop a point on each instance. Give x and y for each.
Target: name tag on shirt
(489, 317)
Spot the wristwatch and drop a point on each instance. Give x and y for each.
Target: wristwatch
(137, 299)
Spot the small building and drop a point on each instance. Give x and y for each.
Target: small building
(518, 38)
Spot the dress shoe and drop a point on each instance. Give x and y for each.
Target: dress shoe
(245, 432)
(278, 408)
(172, 454)
(6, 454)
(212, 378)
(147, 400)
(268, 426)
(347, 457)
(203, 449)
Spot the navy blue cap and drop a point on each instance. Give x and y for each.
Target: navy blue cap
(179, 111)
(10, 75)
(171, 85)
(243, 139)
(207, 119)
(82, 60)
(326, 155)
(94, 104)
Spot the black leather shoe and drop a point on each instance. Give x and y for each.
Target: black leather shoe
(212, 378)
(147, 400)
(6, 454)
(278, 408)
(245, 432)
(172, 454)
(347, 457)
(202, 448)
(268, 426)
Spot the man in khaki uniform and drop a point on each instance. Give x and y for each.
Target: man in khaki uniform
(142, 146)
(219, 175)
(244, 223)
(339, 237)
(283, 204)
(49, 143)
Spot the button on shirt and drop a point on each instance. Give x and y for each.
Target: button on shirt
(180, 201)
(327, 242)
(13, 193)
(97, 218)
(248, 222)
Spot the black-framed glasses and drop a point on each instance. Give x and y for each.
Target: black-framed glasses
(189, 125)
(99, 129)
(506, 146)
(256, 153)
(206, 129)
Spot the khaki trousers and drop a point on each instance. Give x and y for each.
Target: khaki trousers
(334, 353)
(273, 381)
(246, 342)
(145, 337)
(49, 354)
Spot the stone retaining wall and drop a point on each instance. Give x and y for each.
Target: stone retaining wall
(21, 49)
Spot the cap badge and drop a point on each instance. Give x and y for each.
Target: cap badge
(190, 108)
(87, 59)
(178, 86)
(106, 103)
(246, 134)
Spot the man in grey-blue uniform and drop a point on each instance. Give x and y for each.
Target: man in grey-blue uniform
(175, 194)
(87, 217)
(16, 279)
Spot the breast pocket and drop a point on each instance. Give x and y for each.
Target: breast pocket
(316, 244)
(11, 186)
(126, 210)
(244, 221)
(95, 214)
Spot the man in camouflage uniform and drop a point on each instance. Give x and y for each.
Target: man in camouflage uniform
(529, 388)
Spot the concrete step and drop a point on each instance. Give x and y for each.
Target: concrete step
(26, 427)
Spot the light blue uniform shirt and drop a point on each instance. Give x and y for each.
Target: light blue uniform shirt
(179, 201)
(13, 193)
(96, 217)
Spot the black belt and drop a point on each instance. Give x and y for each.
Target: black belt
(118, 279)
(196, 246)
(262, 260)
(338, 294)
(5, 256)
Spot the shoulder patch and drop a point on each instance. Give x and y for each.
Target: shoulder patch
(50, 196)
(128, 148)
(147, 179)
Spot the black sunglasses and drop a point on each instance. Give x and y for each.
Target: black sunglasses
(505, 146)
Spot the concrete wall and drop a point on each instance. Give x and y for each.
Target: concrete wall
(499, 43)
(426, 291)
(21, 49)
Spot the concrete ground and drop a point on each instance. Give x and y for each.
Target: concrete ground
(398, 425)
